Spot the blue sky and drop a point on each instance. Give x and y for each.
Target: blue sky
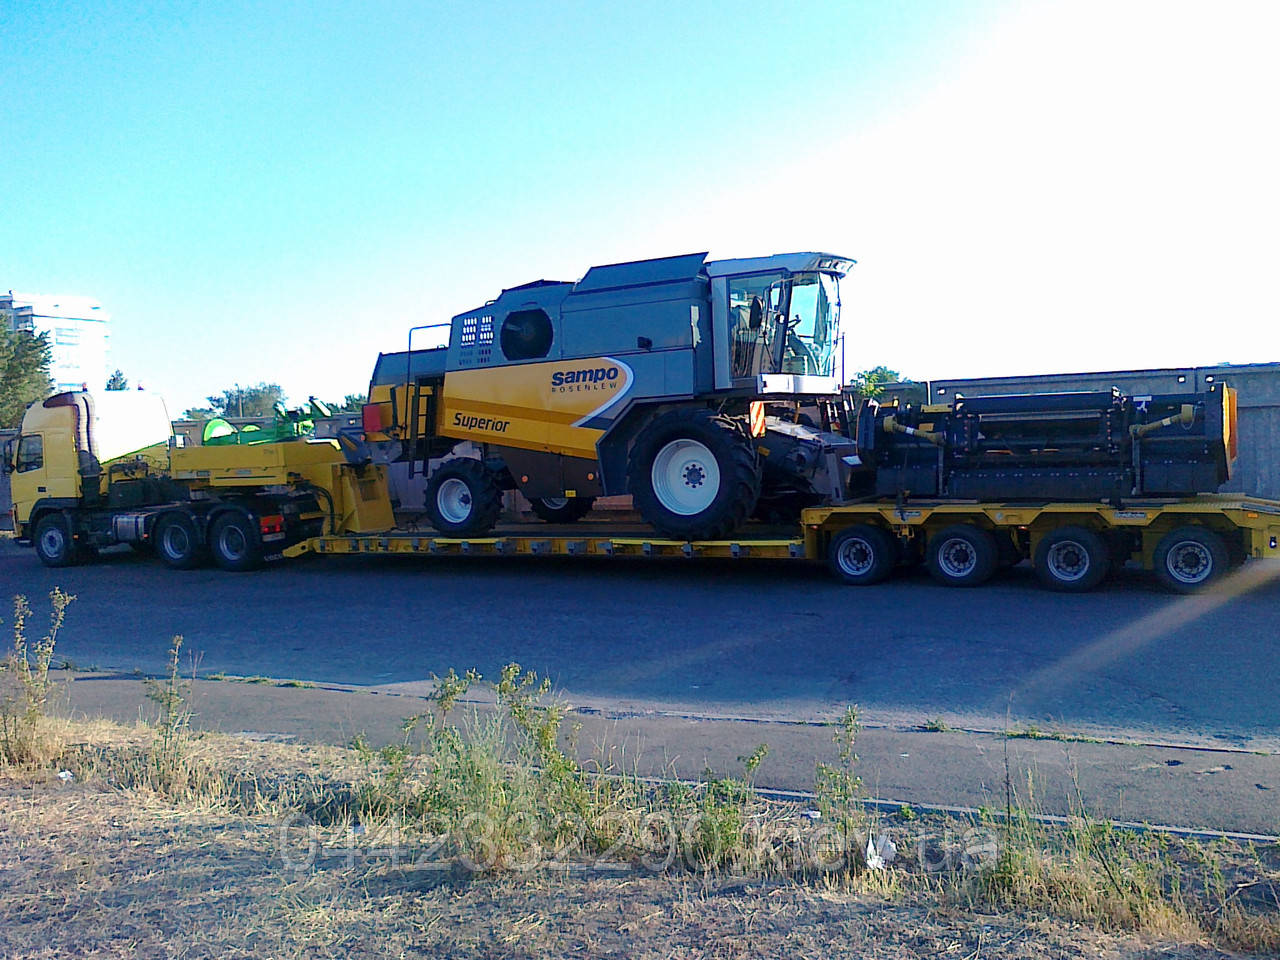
(279, 191)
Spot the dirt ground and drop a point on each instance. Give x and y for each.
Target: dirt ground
(87, 870)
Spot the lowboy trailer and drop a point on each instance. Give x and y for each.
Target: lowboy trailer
(1188, 543)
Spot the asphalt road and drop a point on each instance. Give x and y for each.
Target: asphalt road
(746, 638)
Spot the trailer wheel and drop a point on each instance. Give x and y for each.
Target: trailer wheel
(463, 499)
(1188, 558)
(177, 543)
(53, 542)
(1072, 559)
(694, 475)
(561, 509)
(962, 555)
(235, 542)
(862, 554)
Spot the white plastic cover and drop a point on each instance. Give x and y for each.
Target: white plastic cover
(126, 421)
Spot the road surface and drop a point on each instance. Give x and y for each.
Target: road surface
(762, 639)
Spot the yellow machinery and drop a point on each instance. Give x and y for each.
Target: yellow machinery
(82, 479)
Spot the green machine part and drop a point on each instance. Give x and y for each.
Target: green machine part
(296, 424)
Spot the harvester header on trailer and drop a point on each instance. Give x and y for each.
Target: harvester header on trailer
(1102, 446)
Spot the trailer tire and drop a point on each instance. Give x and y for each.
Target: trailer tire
(561, 509)
(177, 543)
(963, 555)
(862, 554)
(235, 542)
(1189, 558)
(463, 498)
(1072, 559)
(694, 475)
(53, 542)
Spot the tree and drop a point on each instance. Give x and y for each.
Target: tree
(24, 371)
(197, 413)
(870, 384)
(351, 403)
(117, 381)
(257, 400)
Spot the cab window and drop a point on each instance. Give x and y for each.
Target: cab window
(30, 453)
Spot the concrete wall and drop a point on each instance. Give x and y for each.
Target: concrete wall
(1257, 470)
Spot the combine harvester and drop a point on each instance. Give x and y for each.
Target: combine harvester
(708, 391)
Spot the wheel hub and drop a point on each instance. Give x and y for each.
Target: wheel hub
(454, 500)
(957, 557)
(856, 556)
(1068, 560)
(233, 543)
(685, 477)
(52, 541)
(1189, 562)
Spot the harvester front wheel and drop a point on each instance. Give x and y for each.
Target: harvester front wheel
(463, 498)
(561, 509)
(694, 475)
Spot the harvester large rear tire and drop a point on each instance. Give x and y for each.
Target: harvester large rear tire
(694, 475)
(463, 498)
(561, 509)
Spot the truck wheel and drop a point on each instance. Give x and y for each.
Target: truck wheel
(177, 543)
(561, 509)
(694, 475)
(1072, 559)
(1188, 558)
(235, 542)
(862, 554)
(962, 555)
(463, 499)
(53, 542)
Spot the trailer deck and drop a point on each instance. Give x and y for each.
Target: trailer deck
(1134, 530)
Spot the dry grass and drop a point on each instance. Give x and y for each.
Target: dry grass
(481, 835)
(219, 863)
(99, 872)
(28, 737)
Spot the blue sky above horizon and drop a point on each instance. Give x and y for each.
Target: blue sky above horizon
(279, 191)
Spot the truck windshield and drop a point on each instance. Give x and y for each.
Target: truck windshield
(812, 324)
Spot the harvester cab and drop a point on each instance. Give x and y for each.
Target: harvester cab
(705, 389)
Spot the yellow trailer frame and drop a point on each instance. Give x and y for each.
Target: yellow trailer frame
(1250, 525)
(1255, 521)
(558, 546)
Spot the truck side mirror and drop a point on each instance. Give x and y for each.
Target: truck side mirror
(6, 464)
